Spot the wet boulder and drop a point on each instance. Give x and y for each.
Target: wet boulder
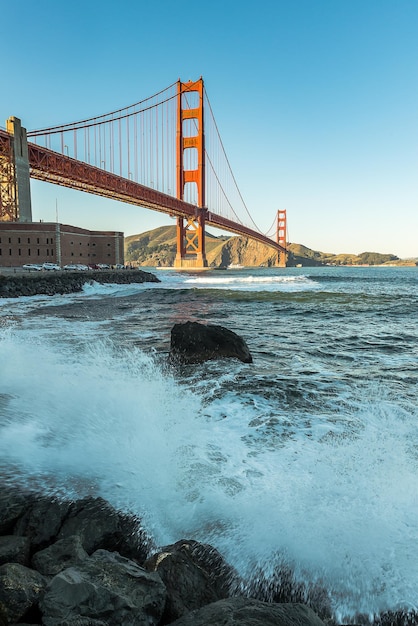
(42, 521)
(194, 575)
(12, 506)
(249, 612)
(100, 526)
(21, 589)
(193, 342)
(14, 550)
(62, 554)
(45, 520)
(104, 587)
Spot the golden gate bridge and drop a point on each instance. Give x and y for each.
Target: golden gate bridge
(163, 153)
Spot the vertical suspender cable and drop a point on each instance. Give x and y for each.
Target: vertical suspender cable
(120, 146)
(110, 139)
(128, 148)
(136, 147)
(156, 153)
(105, 146)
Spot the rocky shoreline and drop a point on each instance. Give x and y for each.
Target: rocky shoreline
(51, 283)
(83, 563)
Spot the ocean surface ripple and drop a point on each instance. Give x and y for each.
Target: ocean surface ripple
(307, 457)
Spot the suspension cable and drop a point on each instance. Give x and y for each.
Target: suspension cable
(83, 123)
(230, 169)
(271, 230)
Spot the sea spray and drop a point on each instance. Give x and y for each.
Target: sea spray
(304, 462)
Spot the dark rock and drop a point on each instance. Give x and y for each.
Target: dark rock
(248, 612)
(20, 590)
(99, 525)
(95, 521)
(51, 283)
(192, 342)
(12, 507)
(42, 521)
(108, 587)
(194, 575)
(82, 621)
(64, 553)
(14, 550)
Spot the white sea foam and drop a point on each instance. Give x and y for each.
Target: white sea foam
(252, 283)
(94, 288)
(212, 280)
(243, 280)
(338, 499)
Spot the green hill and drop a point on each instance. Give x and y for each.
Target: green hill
(157, 248)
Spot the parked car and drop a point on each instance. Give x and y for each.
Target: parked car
(50, 266)
(103, 266)
(32, 267)
(93, 266)
(119, 266)
(76, 267)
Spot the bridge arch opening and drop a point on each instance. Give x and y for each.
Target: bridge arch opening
(190, 99)
(190, 127)
(190, 193)
(190, 156)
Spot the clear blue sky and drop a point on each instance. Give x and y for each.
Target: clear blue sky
(316, 102)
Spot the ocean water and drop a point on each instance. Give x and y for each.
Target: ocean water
(307, 458)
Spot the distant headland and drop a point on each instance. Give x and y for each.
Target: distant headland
(157, 248)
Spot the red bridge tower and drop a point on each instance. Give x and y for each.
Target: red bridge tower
(191, 234)
(282, 237)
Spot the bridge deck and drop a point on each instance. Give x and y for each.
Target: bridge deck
(60, 169)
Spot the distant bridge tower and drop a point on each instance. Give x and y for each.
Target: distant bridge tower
(191, 233)
(15, 198)
(282, 237)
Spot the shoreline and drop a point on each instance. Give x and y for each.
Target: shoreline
(72, 561)
(83, 561)
(17, 283)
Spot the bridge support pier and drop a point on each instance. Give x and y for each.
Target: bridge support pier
(15, 197)
(282, 259)
(191, 242)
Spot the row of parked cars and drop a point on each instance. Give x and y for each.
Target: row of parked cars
(35, 267)
(74, 267)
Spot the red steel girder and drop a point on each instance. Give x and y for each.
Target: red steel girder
(222, 222)
(53, 167)
(8, 193)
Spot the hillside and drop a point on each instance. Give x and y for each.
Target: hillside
(157, 248)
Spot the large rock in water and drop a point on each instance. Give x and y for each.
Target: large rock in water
(192, 342)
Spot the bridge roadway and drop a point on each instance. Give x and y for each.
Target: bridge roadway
(53, 167)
